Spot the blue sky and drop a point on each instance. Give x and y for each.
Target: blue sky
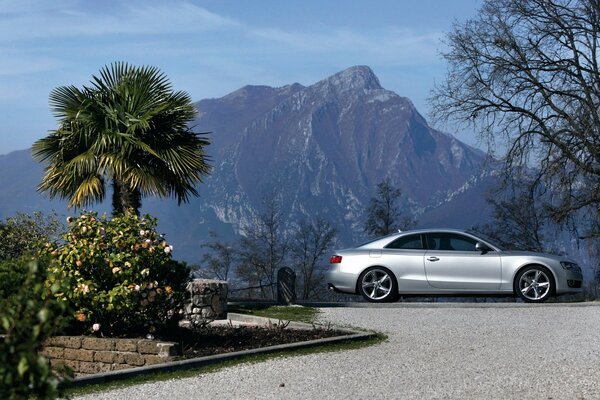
(212, 47)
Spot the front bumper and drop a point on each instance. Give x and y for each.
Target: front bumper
(570, 282)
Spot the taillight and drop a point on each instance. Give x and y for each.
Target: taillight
(335, 260)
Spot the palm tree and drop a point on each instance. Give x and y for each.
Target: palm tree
(130, 127)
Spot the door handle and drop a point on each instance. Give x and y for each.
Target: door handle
(433, 259)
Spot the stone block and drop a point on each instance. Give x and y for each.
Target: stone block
(148, 347)
(118, 367)
(73, 364)
(134, 359)
(70, 342)
(79, 354)
(126, 344)
(152, 359)
(52, 352)
(119, 358)
(98, 343)
(107, 357)
(92, 367)
(207, 312)
(167, 349)
(154, 347)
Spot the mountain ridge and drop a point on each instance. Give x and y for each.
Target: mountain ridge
(321, 149)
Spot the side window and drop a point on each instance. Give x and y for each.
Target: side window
(410, 242)
(450, 241)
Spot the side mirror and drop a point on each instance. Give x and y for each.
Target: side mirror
(482, 247)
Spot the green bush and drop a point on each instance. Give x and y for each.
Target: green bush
(13, 274)
(27, 318)
(27, 234)
(121, 277)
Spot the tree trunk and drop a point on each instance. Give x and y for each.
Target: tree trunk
(125, 198)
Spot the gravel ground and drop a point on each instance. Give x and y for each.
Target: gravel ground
(534, 352)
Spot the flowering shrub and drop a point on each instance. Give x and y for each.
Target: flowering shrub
(120, 274)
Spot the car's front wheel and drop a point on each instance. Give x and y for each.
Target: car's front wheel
(534, 284)
(378, 284)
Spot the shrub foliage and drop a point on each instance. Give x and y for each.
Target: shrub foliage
(27, 317)
(26, 233)
(121, 277)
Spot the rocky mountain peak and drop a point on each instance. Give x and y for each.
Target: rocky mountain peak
(359, 77)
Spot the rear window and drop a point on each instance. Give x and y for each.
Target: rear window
(409, 242)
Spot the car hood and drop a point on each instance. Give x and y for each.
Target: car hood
(520, 253)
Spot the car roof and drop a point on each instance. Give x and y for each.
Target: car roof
(385, 239)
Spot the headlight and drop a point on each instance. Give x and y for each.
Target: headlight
(570, 266)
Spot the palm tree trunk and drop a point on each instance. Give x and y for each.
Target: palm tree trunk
(125, 198)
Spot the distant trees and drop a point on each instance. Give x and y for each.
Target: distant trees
(25, 234)
(383, 213)
(519, 220)
(263, 249)
(219, 262)
(309, 243)
(527, 71)
(265, 246)
(128, 127)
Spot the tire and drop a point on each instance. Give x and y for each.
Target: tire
(378, 285)
(534, 284)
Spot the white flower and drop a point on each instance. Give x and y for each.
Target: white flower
(168, 249)
(148, 241)
(96, 327)
(83, 288)
(142, 232)
(136, 288)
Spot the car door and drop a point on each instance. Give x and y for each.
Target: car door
(452, 262)
(404, 257)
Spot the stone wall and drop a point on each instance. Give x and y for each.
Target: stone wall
(90, 355)
(208, 300)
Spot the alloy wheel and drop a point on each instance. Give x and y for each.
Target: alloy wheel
(534, 285)
(376, 284)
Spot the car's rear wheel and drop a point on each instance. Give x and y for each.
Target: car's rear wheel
(378, 284)
(534, 284)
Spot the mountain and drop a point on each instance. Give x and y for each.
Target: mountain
(320, 149)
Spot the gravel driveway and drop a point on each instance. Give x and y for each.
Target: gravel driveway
(532, 352)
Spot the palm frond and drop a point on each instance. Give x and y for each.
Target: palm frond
(127, 125)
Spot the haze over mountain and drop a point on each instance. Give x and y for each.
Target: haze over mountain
(320, 149)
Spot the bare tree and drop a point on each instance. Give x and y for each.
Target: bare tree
(263, 249)
(519, 221)
(310, 242)
(219, 262)
(527, 71)
(383, 214)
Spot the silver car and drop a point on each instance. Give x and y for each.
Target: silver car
(448, 262)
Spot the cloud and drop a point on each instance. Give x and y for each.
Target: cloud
(22, 63)
(27, 22)
(387, 45)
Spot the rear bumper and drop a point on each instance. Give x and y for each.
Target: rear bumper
(341, 282)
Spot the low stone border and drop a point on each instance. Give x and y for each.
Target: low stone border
(110, 376)
(90, 355)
